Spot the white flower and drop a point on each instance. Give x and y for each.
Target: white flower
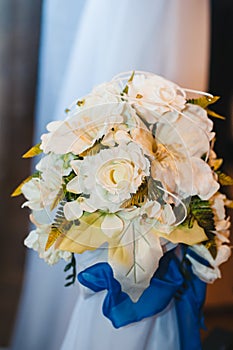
(32, 192)
(154, 96)
(205, 273)
(37, 241)
(118, 134)
(58, 165)
(80, 131)
(222, 224)
(177, 162)
(42, 192)
(109, 178)
(104, 93)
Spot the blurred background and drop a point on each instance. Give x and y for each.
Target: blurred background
(20, 23)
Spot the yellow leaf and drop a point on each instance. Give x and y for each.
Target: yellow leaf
(215, 164)
(53, 236)
(224, 179)
(120, 254)
(131, 77)
(183, 234)
(81, 102)
(228, 203)
(18, 190)
(85, 236)
(214, 114)
(34, 151)
(60, 195)
(92, 151)
(204, 101)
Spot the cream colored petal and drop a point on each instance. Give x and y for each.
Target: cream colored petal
(204, 184)
(206, 274)
(73, 185)
(224, 252)
(135, 260)
(112, 225)
(72, 210)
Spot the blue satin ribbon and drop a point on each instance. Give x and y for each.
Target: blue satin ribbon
(169, 282)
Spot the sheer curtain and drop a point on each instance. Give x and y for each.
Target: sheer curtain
(85, 43)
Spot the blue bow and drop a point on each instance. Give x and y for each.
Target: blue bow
(168, 282)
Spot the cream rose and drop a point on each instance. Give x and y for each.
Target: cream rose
(154, 96)
(107, 179)
(80, 131)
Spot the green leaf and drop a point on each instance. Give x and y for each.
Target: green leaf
(72, 276)
(202, 212)
(131, 77)
(204, 101)
(34, 151)
(69, 277)
(69, 284)
(67, 267)
(212, 247)
(224, 179)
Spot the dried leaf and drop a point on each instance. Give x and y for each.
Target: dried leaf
(215, 164)
(228, 203)
(138, 198)
(96, 148)
(80, 103)
(59, 197)
(147, 190)
(18, 190)
(214, 114)
(126, 89)
(224, 179)
(53, 236)
(59, 226)
(34, 151)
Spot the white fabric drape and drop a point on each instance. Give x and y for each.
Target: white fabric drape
(85, 43)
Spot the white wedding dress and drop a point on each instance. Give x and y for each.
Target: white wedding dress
(85, 43)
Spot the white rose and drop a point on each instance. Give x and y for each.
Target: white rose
(103, 93)
(109, 178)
(80, 131)
(154, 96)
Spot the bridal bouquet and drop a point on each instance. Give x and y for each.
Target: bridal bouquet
(131, 173)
